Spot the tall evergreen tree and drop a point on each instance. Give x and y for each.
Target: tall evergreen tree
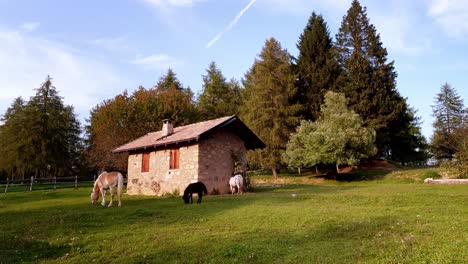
(47, 134)
(218, 97)
(13, 139)
(316, 69)
(408, 145)
(449, 114)
(368, 80)
(267, 109)
(169, 81)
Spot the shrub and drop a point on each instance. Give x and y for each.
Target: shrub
(174, 193)
(455, 169)
(430, 174)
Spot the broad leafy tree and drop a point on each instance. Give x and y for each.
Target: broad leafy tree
(126, 117)
(316, 69)
(448, 111)
(337, 137)
(267, 108)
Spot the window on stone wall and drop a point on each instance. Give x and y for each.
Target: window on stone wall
(145, 162)
(174, 160)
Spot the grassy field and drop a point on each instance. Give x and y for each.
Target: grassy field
(375, 218)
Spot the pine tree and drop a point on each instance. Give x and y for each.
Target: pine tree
(337, 137)
(316, 69)
(169, 81)
(449, 113)
(218, 97)
(408, 145)
(267, 109)
(13, 140)
(46, 132)
(368, 80)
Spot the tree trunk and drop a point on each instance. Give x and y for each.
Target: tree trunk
(337, 168)
(273, 170)
(316, 170)
(299, 170)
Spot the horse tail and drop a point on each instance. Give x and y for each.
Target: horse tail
(240, 181)
(120, 182)
(204, 189)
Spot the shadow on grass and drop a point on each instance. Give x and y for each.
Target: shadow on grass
(317, 189)
(369, 175)
(18, 249)
(330, 242)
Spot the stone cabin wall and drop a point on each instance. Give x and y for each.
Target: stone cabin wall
(160, 179)
(210, 161)
(216, 164)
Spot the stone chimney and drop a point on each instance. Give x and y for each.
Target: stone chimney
(168, 128)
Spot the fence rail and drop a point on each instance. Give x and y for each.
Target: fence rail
(33, 183)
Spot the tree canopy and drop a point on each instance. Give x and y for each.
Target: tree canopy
(40, 137)
(125, 117)
(337, 137)
(268, 109)
(369, 80)
(316, 69)
(448, 111)
(219, 97)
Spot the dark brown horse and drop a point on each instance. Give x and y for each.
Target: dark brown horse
(198, 188)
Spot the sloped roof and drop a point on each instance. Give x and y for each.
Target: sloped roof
(194, 132)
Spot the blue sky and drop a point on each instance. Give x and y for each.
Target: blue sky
(97, 49)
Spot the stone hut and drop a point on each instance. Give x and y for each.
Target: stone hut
(167, 161)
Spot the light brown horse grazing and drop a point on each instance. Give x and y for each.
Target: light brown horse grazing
(107, 180)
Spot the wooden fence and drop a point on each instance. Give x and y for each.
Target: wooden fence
(32, 183)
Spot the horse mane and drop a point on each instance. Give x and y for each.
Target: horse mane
(96, 185)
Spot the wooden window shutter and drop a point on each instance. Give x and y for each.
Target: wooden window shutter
(174, 160)
(177, 156)
(145, 162)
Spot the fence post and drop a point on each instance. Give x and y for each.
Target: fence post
(30, 186)
(6, 186)
(55, 182)
(76, 182)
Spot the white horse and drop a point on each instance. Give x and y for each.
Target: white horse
(107, 180)
(236, 181)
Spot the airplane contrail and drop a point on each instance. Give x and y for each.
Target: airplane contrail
(232, 24)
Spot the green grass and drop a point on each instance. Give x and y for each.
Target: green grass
(388, 220)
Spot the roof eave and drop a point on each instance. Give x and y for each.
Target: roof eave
(188, 140)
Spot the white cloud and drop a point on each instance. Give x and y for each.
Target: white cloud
(450, 15)
(231, 24)
(305, 7)
(26, 61)
(397, 32)
(113, 44)
(168, 4)
(30, 26)
(159, 61)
